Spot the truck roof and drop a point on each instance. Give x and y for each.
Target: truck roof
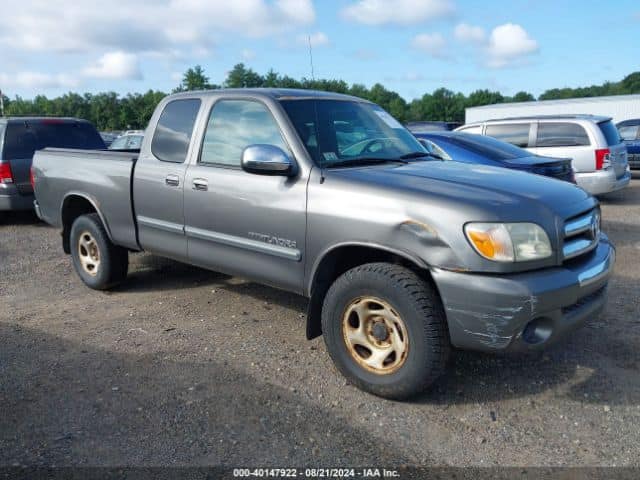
(274, 93)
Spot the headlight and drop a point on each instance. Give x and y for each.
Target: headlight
(509, 242)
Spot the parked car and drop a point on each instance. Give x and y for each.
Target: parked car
(599, 157)
(630, 133)
(108, 137)
(401, 256)
(432, 126)
(127, 141)
(476, 149)
(20, 137)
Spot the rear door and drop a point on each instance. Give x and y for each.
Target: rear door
(159, 180)
(242, 223)
(567, 140)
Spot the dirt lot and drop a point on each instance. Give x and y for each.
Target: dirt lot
(181, 366)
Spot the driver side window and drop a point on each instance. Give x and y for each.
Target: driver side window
(233, 126)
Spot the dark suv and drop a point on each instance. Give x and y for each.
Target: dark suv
(20, 137)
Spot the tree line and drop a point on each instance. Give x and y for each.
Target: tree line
(110, 111)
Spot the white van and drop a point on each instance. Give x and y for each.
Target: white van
(599, 157)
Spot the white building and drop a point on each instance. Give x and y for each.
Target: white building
(619, 107)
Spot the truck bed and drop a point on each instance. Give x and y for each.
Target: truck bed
(102, 177)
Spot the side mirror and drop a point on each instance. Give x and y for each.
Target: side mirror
(267, 160)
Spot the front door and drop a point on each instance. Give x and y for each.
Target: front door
(242, 223)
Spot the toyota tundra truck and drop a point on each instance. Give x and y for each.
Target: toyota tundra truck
(401, 255)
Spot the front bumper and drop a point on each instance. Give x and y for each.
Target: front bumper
(524, 311)
(602, 181)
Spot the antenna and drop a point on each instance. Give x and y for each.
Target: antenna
(311, 58)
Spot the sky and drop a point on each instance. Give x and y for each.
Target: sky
(410, 46)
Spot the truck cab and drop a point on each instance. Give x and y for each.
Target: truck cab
(401, 255)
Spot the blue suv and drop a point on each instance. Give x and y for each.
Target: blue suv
(630, 133)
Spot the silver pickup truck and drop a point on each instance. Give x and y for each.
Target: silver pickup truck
(401, 255)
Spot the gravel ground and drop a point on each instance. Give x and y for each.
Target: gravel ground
(180, 366)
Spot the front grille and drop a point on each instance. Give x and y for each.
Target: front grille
(584, 301)
(634, 159)
(581, 234)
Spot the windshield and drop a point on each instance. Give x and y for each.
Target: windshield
(339, 132)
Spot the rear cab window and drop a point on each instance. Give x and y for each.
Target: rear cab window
(561, 134)
(514, 133)
(23, 138)
(610, 132)
(173, 132)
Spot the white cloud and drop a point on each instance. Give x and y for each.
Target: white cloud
(248, 55)
(400, 12)
(432, 44)
(144, 25)
(317, 39)
(508, 44)
(37, 80)
(469, 33)
(115, 65)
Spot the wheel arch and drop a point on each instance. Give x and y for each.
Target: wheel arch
(336, 260)
(74, 205)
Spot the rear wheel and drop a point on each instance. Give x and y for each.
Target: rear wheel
(99, 263)
(385, 330)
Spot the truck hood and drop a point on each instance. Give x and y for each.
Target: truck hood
(479, 185)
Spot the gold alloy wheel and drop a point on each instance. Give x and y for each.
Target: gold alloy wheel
(375, 335)
(89, 253)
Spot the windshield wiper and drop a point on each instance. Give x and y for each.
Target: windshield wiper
(364, 161)
(407, 156)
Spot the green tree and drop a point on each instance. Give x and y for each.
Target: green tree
(483, 97)
(631, 83)
(194, 79)
(243, 77)
(443, 105)
(521, 97)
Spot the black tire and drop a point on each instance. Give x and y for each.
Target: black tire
(419, 307)
(113, 260)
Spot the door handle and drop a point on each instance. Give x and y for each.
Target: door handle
(200, 184)
(172, 180)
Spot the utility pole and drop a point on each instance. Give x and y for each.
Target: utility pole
(311, 58)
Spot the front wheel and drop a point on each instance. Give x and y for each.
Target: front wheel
(97, 261)
(385, 330)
